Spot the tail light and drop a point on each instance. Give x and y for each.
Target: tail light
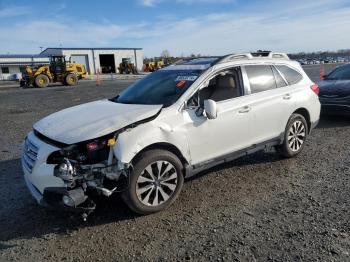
(315, 88)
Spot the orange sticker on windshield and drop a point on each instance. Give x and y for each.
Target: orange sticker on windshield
(181, 83)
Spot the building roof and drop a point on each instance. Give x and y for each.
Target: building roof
(93, 48)
(24, 63)
(20, 56)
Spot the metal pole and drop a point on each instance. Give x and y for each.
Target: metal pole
(135, 60)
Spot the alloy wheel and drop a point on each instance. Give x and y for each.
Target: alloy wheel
(296, 136)
(156, 183)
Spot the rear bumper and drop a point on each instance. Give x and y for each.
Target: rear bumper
(335, 109)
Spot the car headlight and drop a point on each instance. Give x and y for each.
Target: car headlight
(65, 171)
(92, 152)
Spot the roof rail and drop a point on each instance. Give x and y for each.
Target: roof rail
(246, 56)
(278, 56)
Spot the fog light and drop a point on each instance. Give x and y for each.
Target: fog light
(68, 201)
(74, 197)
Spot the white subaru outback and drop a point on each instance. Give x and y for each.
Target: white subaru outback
(168, 126)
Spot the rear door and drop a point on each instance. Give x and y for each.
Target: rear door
(271, 102)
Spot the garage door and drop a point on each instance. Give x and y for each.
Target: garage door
(81, 59)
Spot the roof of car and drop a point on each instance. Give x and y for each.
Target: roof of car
(259, 55)
(202, 61)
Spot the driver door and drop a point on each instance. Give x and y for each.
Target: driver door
(213, 139)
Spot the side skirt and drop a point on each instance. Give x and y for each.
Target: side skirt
(195, 169)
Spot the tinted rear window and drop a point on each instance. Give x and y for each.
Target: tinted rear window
(292, 76)
(261, 78)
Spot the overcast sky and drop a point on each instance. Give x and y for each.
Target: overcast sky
(208, 27)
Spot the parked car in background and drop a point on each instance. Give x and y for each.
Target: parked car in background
(335, 91)
(172, 124)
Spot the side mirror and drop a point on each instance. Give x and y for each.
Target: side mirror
(210, 108)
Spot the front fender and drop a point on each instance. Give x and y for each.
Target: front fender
(132, 141)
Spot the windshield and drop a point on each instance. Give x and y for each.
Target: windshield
(340, 73)
(163, 87)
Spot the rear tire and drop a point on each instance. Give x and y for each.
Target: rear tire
(152, 190)
(41, 81)
(294, 136)
(71, 80)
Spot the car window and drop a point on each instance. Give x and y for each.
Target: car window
(279, 80)
(163, 87)
(224, 86)
(261, 78)
(340, 73)
(292, 76)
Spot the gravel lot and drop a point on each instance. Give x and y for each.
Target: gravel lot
(257, 208)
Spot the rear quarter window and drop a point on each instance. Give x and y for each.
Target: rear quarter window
(292, 76)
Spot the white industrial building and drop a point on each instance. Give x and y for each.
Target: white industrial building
(102, 60)
(12, 66)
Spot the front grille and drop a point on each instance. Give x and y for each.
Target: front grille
(30, 154)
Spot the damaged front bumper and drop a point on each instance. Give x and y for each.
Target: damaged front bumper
(74, 188)
(53, 197)
(35, 192)
(62, 199)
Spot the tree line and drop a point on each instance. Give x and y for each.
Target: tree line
(321, 54)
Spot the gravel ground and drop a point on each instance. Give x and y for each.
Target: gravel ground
(257, 208)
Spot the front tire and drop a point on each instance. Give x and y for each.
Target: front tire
(294, 136)
(155, 182)
(41, 81)
(71, 80)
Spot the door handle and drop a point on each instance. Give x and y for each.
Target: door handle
(244, 109)
(287, 97)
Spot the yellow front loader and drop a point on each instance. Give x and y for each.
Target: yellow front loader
(58, 71)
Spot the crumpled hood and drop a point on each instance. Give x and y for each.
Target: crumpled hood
(92, 120)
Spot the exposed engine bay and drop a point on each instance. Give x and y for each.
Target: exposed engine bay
(88, 170)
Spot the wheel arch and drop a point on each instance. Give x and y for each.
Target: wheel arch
(164, 146)
(305, 113)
